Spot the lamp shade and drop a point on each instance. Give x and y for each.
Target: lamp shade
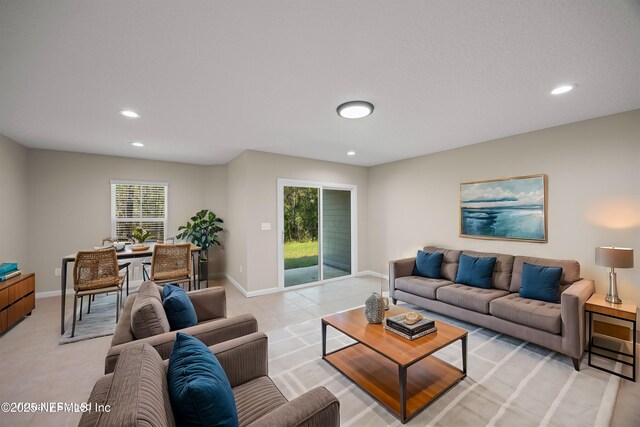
(614, 257)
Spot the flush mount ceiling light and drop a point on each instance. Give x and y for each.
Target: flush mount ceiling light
(351, 153)
(137, 144)
(130, 113)
(355, 109)
(563, 89)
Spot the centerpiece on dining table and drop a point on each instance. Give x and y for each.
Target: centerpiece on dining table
(140, 236)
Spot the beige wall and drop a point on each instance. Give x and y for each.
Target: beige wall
(235, 235)
(263, 171)
(69, 201)
(593, 170)
(14, 201)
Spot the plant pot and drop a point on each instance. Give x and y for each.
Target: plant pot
(203, 270)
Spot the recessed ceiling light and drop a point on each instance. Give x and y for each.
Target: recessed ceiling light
(351, 153)
(355, 109)
(137, 144)
(130, 113)
(563, 89)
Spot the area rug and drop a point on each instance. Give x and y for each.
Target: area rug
(99, 323)
(510, 382)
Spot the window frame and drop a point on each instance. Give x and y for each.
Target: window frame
(115, 220)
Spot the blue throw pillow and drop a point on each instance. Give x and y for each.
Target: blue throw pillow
(476, 272)
(198, 386)
(427, 264)
(541, 283)
(178, 307)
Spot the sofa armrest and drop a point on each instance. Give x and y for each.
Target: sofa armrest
(244, 358)
(98, 397)
(209, 303)
(572, 302)
(399, 268)
(317, 407)
(209, 333)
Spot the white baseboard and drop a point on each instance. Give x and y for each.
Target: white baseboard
(250, 294)
(372, 273)
(236, 284)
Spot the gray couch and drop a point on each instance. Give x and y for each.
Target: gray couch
(559, 327)
(137, 392)
(143, 320)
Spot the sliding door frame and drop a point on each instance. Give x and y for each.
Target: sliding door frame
(353, 189)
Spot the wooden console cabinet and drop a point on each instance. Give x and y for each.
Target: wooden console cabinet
(17, 299)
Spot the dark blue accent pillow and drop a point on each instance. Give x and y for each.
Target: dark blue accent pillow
(541, 283)
(427, 264)
(198, 386)
(476, 272)
(178, 307)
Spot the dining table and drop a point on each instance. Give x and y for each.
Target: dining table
(126, 253)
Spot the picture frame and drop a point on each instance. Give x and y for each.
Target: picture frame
(504, 209)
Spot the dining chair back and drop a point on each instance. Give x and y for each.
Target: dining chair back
(171, 263)
(96, 272)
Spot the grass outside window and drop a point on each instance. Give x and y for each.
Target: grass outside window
(300, 254)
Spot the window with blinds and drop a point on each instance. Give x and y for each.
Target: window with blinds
(136, 204)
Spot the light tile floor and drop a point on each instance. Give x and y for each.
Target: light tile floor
(34, 368)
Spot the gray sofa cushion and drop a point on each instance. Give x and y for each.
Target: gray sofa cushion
(449, 266)
(139, 393)
(469, 297)
(533, 313)
(502, 270)
(570, 270)
(256, 398)
(147, 314)
(421, 286)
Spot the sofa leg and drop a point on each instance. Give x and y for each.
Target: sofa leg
(394, 301)
(576, 363)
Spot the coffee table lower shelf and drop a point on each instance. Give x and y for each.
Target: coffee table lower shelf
(426, 379)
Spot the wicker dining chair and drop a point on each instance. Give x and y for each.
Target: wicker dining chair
(171, 264)
(96, 272)
(121, 265)
(146, 265)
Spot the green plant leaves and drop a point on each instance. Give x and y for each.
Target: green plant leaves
(202, 230)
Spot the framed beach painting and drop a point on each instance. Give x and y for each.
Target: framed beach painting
(505, 209)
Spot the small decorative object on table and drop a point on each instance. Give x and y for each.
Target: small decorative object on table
(374, 308)
(410, 325)
(140, 235)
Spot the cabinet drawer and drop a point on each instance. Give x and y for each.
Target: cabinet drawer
(4, 298)
(21, 289)
(4, 324)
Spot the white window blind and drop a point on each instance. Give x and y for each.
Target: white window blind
(136, 204)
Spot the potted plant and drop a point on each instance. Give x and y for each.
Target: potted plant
(202, 230)
(140, 235)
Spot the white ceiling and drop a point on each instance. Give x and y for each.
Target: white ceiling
(214, 78)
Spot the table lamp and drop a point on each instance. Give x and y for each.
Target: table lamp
(609, 256)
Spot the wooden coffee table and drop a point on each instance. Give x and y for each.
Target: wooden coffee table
(400, 374)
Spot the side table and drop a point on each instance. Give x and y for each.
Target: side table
(626, 312)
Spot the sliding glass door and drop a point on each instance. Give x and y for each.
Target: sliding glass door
(316, 231)
(301, 244)
(336, 233)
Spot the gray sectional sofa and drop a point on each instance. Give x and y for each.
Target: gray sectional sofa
(137, 392)
(559, 327)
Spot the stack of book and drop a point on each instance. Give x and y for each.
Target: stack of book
(419, 329)
(9, 270)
